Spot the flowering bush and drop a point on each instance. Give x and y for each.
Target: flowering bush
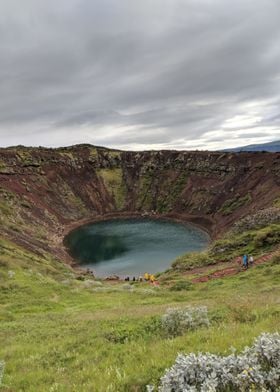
(2, 367)
(176, 321)
(256, 369)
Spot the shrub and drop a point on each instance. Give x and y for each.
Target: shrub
(176, 321)
(122, 334)
(267, 236)
(2, 367)
(255, 369)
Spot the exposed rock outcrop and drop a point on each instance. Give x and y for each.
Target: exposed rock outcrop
(45, 191)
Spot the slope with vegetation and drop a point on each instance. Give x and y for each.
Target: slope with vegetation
(43, 192)
(59, 333)
(62, 331)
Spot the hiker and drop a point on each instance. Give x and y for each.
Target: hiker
(146, 276)
(152, 278)
(245, 261)
(134, 279)
(140, 278)
(251, 260)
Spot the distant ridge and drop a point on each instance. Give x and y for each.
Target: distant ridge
(270, 147)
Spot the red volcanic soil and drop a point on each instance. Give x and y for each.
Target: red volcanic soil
(46, 192)
(235, 269)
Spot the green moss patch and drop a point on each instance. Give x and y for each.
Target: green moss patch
(113, 180)
(231, 205)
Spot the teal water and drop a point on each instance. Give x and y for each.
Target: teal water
(132, 247)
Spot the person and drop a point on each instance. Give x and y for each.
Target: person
(146, 276)
(251, 260)
(152, 278)
(245, 261)
(140, 278)
(134, 279)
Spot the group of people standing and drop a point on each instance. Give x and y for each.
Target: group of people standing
(147, 278)
(247, 260)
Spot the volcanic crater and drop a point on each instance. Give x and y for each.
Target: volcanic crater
(45, 193)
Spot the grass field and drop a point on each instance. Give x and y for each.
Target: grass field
(61, 334)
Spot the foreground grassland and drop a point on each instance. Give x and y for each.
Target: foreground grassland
(61, 334)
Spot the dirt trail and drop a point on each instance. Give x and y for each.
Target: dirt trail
(235, 268)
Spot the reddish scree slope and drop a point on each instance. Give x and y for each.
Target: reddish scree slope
(44, 192)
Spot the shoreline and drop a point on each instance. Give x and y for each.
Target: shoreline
(206, 225)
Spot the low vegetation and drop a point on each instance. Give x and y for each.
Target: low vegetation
(254, 369)
(62, 334)
(193, 260)
(177, 321)
(231, 205)
(254, 241)
(260, 219)
(113, 180)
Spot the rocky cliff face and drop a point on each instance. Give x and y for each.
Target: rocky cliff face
(43, 191)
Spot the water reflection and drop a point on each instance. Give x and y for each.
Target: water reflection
(88, 248)
(133, 246)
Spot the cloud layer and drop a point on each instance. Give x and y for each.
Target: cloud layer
(140, 75)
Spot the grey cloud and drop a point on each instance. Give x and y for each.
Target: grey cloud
(150, 73)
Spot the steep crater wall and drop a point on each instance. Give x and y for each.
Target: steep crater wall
(45, 192)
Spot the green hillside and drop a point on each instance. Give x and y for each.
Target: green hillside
(64, 331)
(60, 333)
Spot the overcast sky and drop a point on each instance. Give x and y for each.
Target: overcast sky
(149, 74)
